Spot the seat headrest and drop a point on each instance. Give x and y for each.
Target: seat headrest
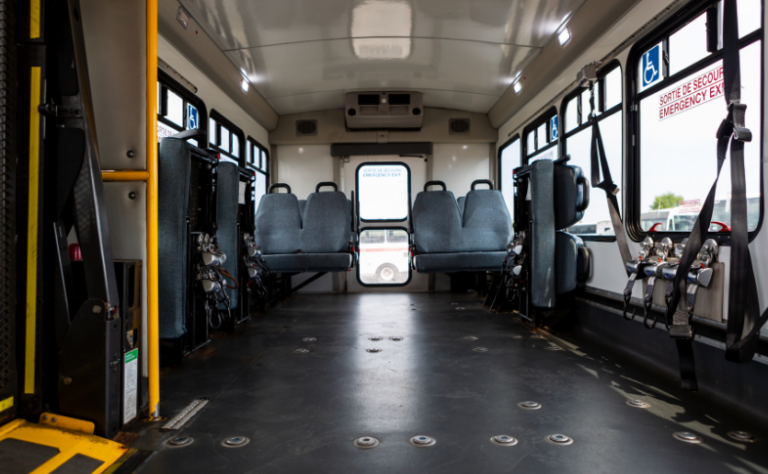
(571, 198)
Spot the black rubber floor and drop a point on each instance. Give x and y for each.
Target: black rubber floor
(302, 412)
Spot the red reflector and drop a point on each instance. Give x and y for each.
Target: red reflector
(74, 253)
(218, 157)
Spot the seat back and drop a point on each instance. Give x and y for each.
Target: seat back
(278, 224)
(439, 226)
(227, 194)
(487, 225)
(326, 223)
(174, 176)
(282, 227)
(436, 222)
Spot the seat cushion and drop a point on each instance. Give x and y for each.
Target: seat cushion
(309, 262)
(459, 262)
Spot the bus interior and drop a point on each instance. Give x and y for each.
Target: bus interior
(336, 236)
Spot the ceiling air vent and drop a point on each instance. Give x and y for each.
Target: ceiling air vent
(306, 128)
(459, 126)
(384, 110)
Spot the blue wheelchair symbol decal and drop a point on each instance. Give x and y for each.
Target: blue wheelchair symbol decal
(553, 132)
(191, 117)
(651, 67)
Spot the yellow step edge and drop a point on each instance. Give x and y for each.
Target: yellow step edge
(67, 440)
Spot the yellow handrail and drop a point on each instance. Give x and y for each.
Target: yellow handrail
(153, 309)
(124, 175)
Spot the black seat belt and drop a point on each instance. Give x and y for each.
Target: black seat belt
(599, 164)
(744, 320)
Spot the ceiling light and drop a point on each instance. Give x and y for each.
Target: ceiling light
(381, 29)
(564, 36)
(517, 87)
(244, 84)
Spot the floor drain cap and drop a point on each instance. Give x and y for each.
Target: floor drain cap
(470, 338)
(301, 351)
(309, 339)
(744, 436)
(235, 442)
(480, 349)
(396, 338)
(529, 405)
(504, 440)
(638, 404)
(373, 349)
(366, 442)
(422, 441)
(375, 338)
(687, 437)
(179, 441)
(553, 348)
(559, 439)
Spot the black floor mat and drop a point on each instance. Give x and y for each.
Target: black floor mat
(302, 411)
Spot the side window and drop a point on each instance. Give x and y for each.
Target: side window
(178, 109)
(226, 139)
(509, 159)
(580, 115)
(680, 107)
(256, 159)
(541, 137)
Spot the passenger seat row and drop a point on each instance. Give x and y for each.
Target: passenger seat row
(313, 236)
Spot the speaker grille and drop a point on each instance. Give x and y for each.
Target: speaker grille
(458, 126)
(306, 128)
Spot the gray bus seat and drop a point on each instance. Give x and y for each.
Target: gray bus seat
(559, 261)
(315, 240)
(447, 241)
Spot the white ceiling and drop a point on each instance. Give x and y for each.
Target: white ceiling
(303, 55)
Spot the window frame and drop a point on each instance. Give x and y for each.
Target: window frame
(357, 193)
(255, 145)
(619, 108)
(384, 228)
(532, 127)
(500, 152)
(167, 82)
(633, 97)
(233, 130)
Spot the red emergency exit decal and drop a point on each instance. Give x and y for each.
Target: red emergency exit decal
(699, 90)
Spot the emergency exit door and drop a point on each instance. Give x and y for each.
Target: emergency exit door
(384, 189)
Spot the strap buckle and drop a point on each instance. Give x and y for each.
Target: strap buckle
(734, 124)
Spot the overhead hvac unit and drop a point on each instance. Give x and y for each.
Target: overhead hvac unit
(384, 110)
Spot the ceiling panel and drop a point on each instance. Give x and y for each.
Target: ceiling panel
(463, 66)
(253, 23)
(302, 55)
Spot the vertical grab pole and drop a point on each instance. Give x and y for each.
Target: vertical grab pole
(153, 330)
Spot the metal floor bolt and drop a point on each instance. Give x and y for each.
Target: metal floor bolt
(179, 441)
(301, 351)
(687, 437)
(422, 441)
(529, 405)
(235, 442)
(373, 349)
(559, 439)
(366, 442)
(504, 440)
(743, 436)
(638, 404)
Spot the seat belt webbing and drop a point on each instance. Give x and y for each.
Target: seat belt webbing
(744, 321)
(599, 164)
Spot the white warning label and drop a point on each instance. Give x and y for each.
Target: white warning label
(699, 90)
(130, 384)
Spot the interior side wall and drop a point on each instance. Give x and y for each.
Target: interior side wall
(213, 96)
(608, 273)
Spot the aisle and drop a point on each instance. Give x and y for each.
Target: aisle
(301, 411)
